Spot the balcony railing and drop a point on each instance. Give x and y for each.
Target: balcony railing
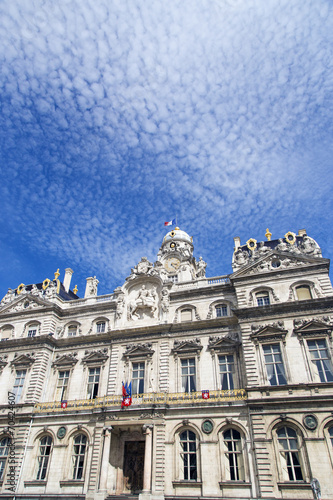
(153, 398)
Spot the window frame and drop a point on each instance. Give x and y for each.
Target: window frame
(4, 457)
(94, 367)
(242, 469)
(135, 390)
(264, 295)
(70, 330)
(282, 463)
(233, 373)
(313, 361)
(303, 286)
(43, 457)
(60, 389)
(185, 470)
(75, 465)
(274, 363)
(33, 327)
(19, 394)
(188, 376)
(186, 310)
(224, 307)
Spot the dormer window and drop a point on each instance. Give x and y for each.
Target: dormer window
(32, 330)
(100, 327)
(186, 315)
(303, 292)
(173, 278)
(221, 310)
(262, 299)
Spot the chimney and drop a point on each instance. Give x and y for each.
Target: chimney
(237, 242)
(67, 278)
(301, 232)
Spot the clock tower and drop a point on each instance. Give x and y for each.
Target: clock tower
(176, 256)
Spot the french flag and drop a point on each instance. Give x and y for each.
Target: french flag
(170, 223)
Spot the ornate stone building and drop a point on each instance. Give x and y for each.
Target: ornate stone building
(231, 379)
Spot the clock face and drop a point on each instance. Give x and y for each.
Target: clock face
(172, 264)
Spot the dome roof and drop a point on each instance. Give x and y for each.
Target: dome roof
(177, 235)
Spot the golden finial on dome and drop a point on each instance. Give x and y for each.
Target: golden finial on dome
(75, 289)
(177, 229)
(56, 274)
(268, 234)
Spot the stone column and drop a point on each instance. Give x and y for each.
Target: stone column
(148, 430)
(105, 459)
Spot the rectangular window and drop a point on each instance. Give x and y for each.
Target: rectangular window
(93, 382)
(173, 278)
(4, 450)
(274, 364)
(138, 378)
(321, 358)
(186, 315)
(226, 368)
(72, 331)
(188, 375)
(262, 299)
(18, 384)
(62, 385)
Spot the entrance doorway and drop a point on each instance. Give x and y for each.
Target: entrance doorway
(134, 456)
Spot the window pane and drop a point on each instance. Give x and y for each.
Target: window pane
(188, 375)
(320, 356)
(262, 298)
(303, 292)
(138, 376)
(233, 454)
(221, 310)
(189, 454)
(274, 365)
(288, 442)
(226, 367)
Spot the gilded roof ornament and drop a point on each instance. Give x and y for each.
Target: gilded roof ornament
(251, 244)
(56, 274)
(268, 234)
(75, 289)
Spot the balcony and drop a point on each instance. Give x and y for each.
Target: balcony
(144, 400)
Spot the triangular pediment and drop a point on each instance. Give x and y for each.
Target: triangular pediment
(313, 327)
(138, 351)
(223, 343)
(95, 357)
(23, 360)
(24, 303)
(268, 332)
(275, 260)
(187, 346)
(65, 360)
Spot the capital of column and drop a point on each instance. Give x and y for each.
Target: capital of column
(147, 428)
(107, 429)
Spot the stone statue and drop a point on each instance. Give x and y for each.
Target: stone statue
(51, 290)
(241, 257)
(315, 486)
(165, 301)
(10, 295)
(262, 249)
(282, 246)
(93, 286)
(201, 268)
(309, 247)
(146, 299)
(34, 290)
(120, 307)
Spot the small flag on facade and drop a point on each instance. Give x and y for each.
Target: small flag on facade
(63, 404)
(170, 223)
(127, 394)
(205, 394)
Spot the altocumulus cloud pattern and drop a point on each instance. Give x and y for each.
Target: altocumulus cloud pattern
(118, 115)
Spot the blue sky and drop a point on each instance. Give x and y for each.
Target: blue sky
(118, 115)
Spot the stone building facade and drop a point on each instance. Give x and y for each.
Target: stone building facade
(231, 379)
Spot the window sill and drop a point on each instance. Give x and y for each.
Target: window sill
(234, 484)
(294, 485)
(71, 482)
(35, 482)
(185, 483)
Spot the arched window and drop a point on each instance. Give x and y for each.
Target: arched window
(186, 315)
(6, 332)
(234, 455)
(4, 451)
(78, 457)
(44, 453)
(188, 453)
(303, 292)
(221, 310)
(263, 299)
(289, 453)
